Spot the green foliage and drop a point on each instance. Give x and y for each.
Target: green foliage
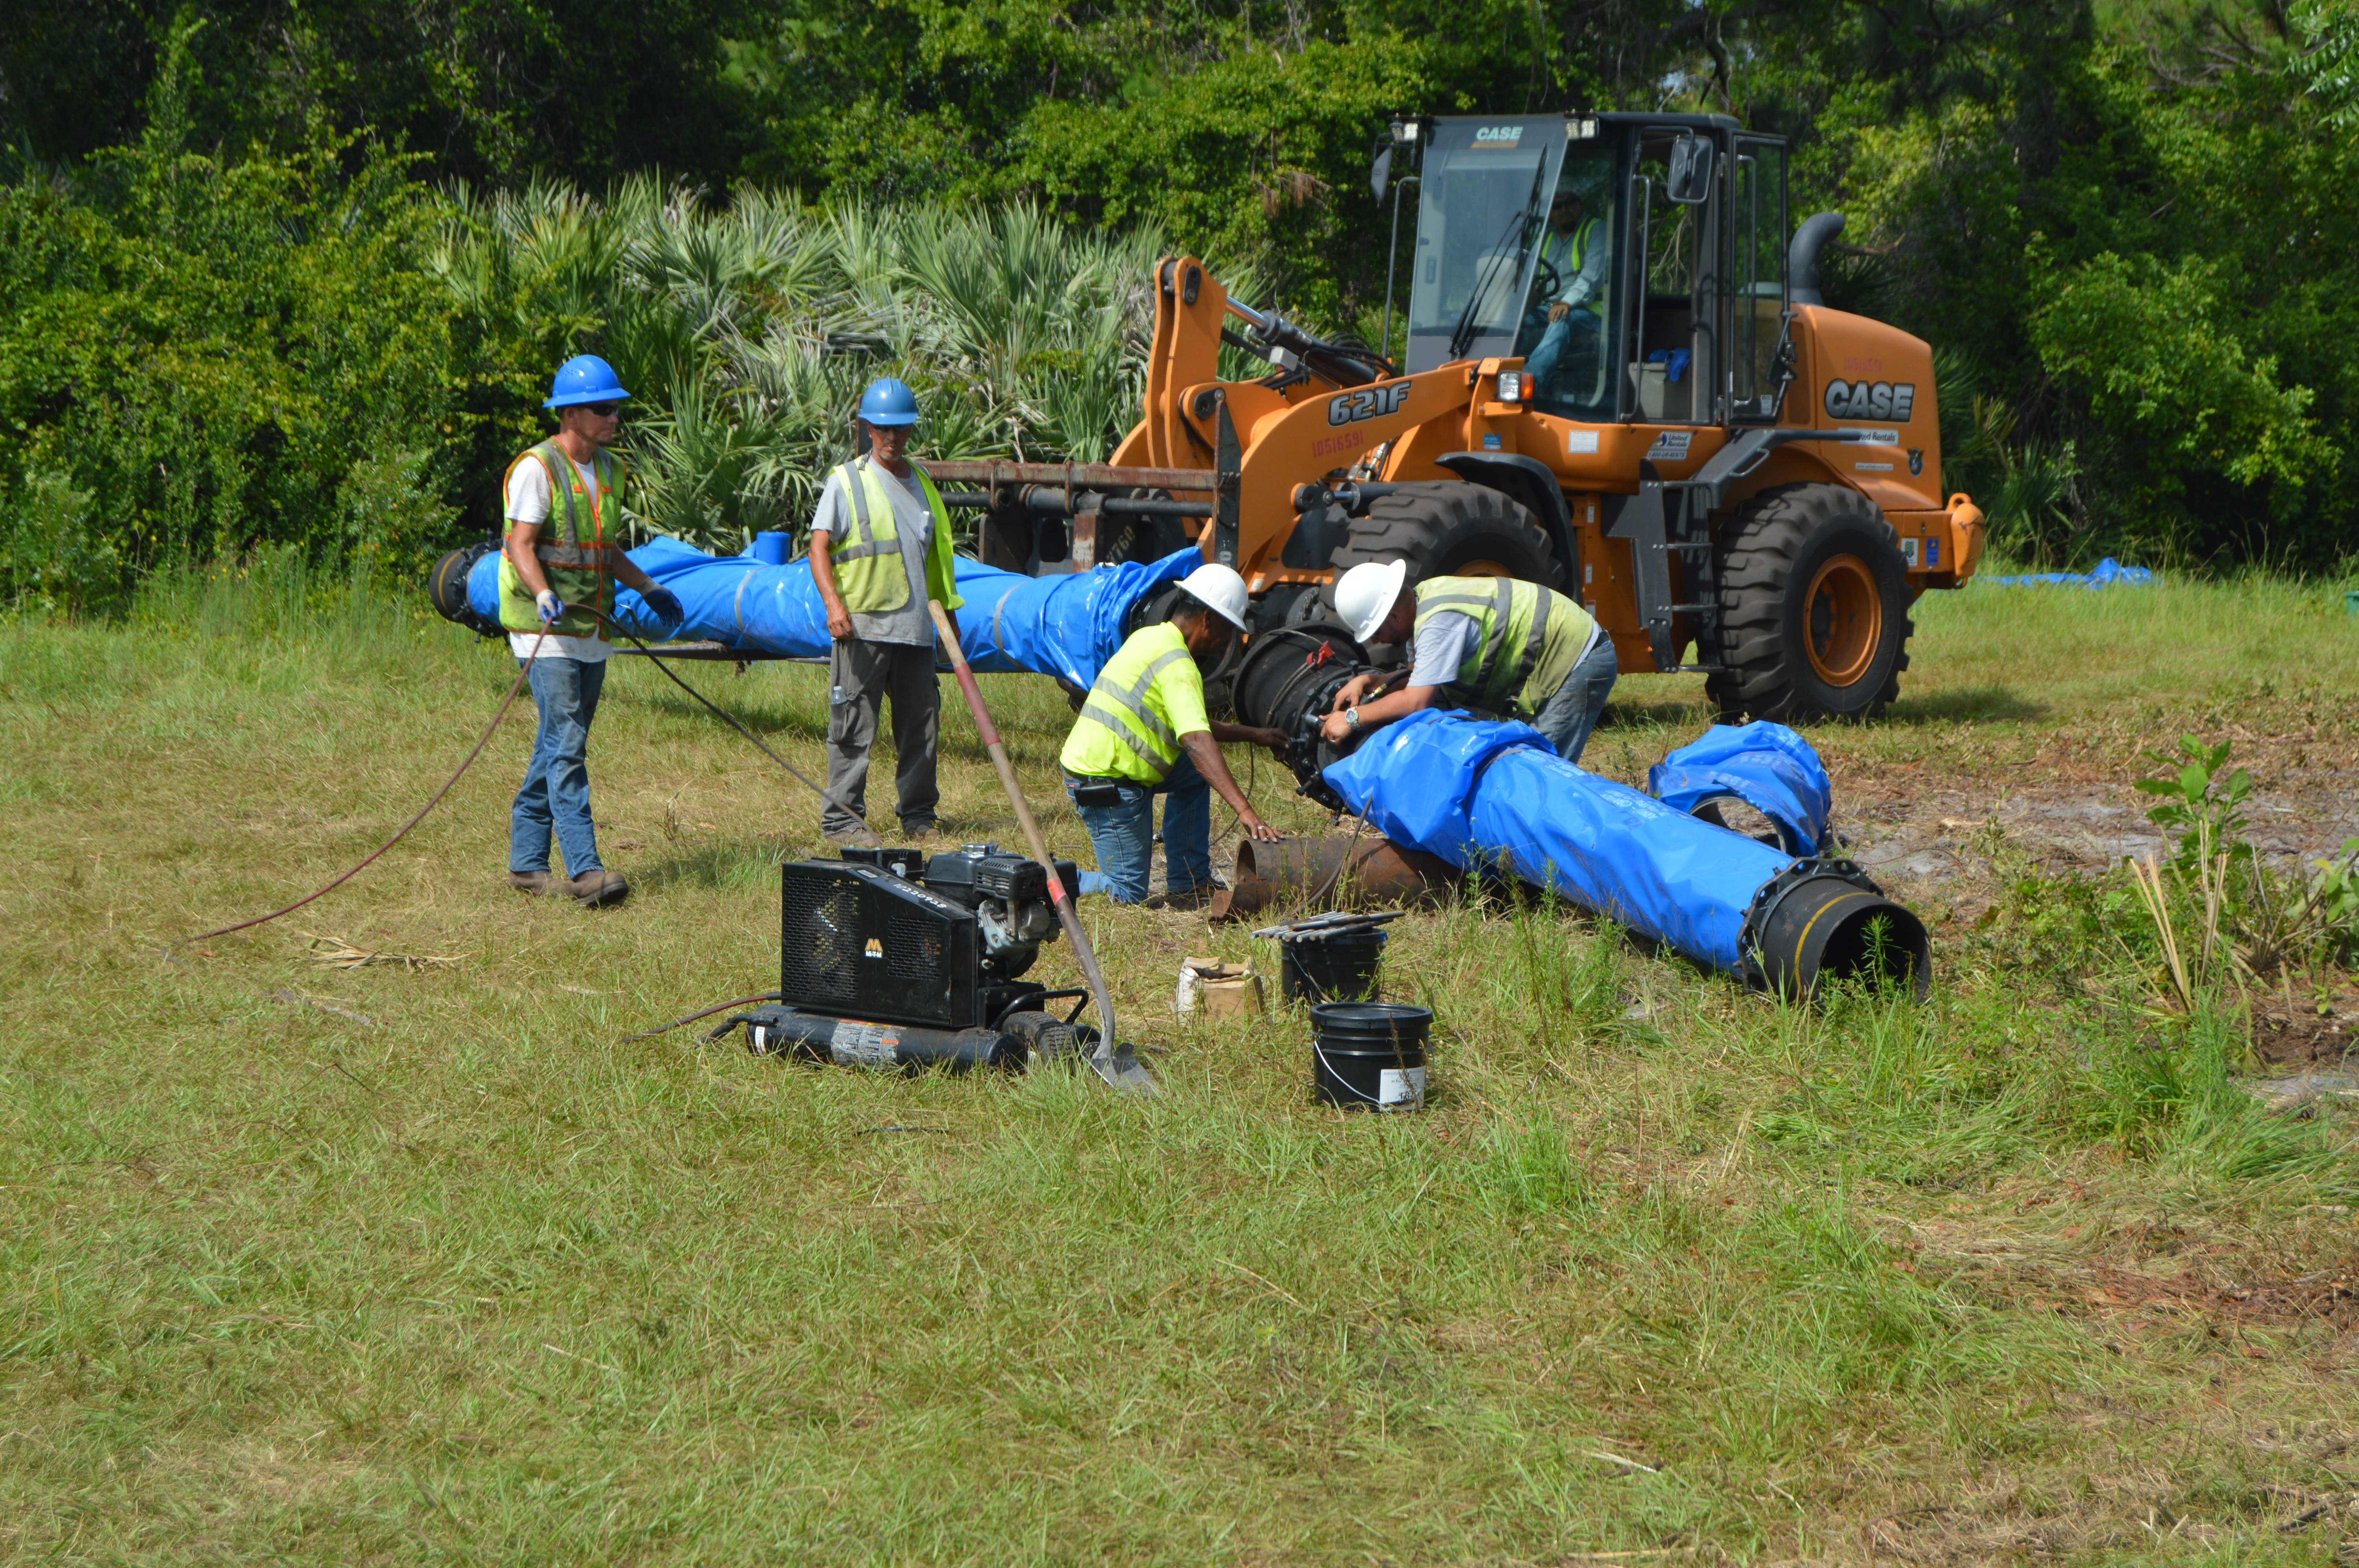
(198, 357)
(2202, 809)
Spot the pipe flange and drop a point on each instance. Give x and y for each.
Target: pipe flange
(1771, 894)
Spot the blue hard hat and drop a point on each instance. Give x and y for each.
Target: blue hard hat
(888, 400)
(584, 378)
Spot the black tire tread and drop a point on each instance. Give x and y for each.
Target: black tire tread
(1768, 536)
(1418, 523)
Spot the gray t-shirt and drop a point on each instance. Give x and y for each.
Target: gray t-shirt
(914, 524)
(1443, 647)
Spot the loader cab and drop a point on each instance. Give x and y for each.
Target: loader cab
(1637, 262)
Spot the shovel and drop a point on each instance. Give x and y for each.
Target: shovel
(1111, 1061)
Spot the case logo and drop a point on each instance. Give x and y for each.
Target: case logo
(1497, 135)
(1368, 403)
(1871, 400)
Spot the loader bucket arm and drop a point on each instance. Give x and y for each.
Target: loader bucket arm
(1189, 306)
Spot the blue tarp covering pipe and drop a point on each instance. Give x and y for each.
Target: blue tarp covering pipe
(1067, 625)
(1767, 766)
(2109, 573)
(1475, 792)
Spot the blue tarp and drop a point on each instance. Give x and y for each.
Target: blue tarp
(1476, 791)
(2109, 573)
(1067, 625)
(1767, 766)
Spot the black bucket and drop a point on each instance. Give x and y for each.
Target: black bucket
(1341, 968)
(1369, 1055)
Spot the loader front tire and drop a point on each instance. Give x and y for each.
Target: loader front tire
(1813, 607)
(1445, 528)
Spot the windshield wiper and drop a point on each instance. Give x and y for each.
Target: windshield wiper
(1464, 333)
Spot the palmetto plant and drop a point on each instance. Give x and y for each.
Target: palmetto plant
(746, 331)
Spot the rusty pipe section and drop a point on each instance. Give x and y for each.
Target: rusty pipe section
(1341, 871)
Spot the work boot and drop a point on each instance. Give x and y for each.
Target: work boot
(1186, 898)
(591, 888)
(913, 829)
(535, 882)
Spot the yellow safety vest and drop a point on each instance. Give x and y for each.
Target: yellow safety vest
(1572, 250)
(867, 556)
(570, 547)
(1132, 720)
(1532, 637)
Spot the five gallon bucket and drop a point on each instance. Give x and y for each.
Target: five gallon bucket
(1340, 967)
(1369, 1055)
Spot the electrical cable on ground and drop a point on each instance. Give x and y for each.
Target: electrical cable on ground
(484, 740)
(481, 741)
(692, 1017)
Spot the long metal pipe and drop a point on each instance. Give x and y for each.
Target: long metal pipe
(993, 473)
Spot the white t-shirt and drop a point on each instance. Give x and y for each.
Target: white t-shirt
(530, 502)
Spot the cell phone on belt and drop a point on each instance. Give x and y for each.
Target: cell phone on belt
(1097, 795)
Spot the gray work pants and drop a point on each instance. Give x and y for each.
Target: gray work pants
(861, 675)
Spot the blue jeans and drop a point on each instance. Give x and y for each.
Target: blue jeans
(1541, 365)
(556, 791)
(1123, 835)
(1566, 718)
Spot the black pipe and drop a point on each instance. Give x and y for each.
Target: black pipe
(1817, 233)
(1825, 919)
(851, 1043)
(1288, 682)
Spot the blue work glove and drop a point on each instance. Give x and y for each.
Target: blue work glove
(550, 607)
(667, 607)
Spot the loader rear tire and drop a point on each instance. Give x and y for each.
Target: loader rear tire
(1445, 528)
(1813, 607)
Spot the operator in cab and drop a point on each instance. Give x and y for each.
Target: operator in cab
(1574, 249)
(1491, 644)
(880, 546)
(1143, 731)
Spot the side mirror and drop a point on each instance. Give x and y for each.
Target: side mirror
(1689, 179)
(1380, 175)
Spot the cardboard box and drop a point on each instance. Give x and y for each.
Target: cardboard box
(1217, 990)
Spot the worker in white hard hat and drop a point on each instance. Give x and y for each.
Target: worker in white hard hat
(1143, 731)
(1493, 645)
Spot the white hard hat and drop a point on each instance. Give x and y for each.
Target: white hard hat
(1222, 589)
(1366, 595)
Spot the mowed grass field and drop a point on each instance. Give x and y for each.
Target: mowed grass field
(411, 1266)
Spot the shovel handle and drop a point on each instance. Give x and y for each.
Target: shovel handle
(1063, 905)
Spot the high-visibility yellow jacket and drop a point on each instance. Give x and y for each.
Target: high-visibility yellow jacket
(1149, 694)
(572, 546)
(1532, 637)
(867, 556)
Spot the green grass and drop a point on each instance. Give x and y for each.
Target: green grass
(466, 1279)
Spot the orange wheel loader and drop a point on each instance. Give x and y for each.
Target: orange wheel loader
(1618, 379)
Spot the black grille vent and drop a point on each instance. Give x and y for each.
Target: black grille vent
(915, 947)
(820, 950)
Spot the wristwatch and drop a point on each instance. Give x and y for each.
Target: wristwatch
(1352, 716)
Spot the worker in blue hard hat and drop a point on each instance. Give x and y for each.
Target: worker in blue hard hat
(562, 556)
(880, 546)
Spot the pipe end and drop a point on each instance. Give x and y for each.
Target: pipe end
(1824, 920)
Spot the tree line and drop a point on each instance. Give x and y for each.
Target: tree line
(285, 275)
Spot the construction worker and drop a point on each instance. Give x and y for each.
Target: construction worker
(1574, 247)
(1143, 732)
(1492, 644)
(557, 568)
(880, 546)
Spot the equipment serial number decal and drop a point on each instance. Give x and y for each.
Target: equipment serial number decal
(1368, 403)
